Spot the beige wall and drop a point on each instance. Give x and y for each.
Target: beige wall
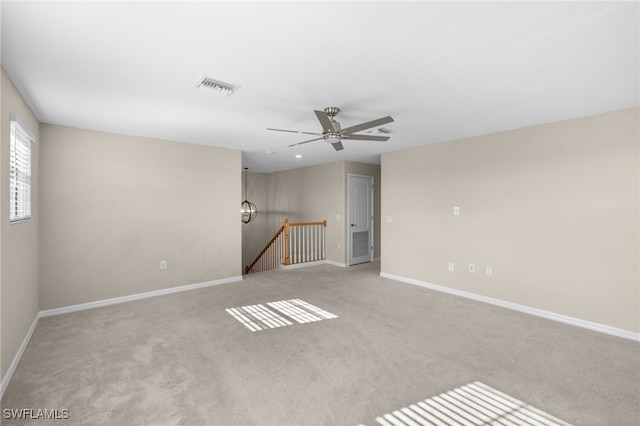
(113, 206)
(19, 292)
(256, 234)
(553, 209)
(310, 194)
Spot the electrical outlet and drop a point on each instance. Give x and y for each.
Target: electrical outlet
(456, 211)
(472, 267)
(163, 264)
(450, 267)
(489, 270)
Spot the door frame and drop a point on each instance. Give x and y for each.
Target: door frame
(371, 220)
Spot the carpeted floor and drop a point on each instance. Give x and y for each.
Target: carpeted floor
(183, 359)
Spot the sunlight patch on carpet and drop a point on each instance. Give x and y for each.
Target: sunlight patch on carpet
(475, 404)
(259, 317)
(301, 311)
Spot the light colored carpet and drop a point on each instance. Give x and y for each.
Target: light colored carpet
(183, 359)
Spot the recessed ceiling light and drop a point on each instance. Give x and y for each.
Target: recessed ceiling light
(269, 152)
(298, 155)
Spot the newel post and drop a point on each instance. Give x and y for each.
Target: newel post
(286, 261)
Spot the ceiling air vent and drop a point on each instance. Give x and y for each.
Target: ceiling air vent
(380, 130)
(223, 88)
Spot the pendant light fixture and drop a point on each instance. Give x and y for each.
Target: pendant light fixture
(248, 210)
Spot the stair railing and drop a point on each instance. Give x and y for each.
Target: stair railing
(293, 243)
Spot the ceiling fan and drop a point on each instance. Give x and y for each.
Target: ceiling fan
(332, 132)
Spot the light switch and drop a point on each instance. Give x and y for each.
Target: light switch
(456, 211)
(389, 219)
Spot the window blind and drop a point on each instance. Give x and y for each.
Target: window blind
(20, 170)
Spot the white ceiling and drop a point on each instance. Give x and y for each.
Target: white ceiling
(442, 70)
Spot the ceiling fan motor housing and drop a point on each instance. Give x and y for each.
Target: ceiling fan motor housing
(333, 137)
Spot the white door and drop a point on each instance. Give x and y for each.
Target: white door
(360, 219)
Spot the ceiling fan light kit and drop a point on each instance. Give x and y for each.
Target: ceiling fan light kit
(333, 133)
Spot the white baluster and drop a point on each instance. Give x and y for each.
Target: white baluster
(315, 242)
(294, 244)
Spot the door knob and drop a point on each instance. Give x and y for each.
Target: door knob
(353, 224)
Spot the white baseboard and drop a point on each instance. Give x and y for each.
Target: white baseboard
(303, 264)
(16, 359)
(116, 300)
(314, 263)
(602, 328)
(58, 311)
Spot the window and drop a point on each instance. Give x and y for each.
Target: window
(20, 170)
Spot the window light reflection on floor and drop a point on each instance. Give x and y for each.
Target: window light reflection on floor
(475, 404)
(259, 317)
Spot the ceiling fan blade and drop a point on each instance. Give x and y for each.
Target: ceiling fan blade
(366, 137)
(300, 143)
(337, 146)
(367, 125)
(325, 121)
(295, 131)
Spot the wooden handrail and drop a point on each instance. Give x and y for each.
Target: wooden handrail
(248, 268)
(324, 223)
